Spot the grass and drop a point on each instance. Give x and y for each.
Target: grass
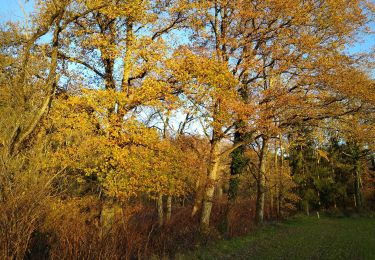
(299, 238)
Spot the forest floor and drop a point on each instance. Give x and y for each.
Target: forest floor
(299, 238)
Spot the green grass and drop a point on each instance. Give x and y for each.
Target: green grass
(299, 238)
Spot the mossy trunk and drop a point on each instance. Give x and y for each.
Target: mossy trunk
(238, 164)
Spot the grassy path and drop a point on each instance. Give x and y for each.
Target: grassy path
(300, 238)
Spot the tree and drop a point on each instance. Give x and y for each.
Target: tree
(211, 88)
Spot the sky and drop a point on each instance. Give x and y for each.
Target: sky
(11, 10)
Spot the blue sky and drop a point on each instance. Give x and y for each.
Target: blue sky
(11, 10)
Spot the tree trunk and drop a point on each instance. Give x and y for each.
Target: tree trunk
(271, 203)
(307, 208)
(237, 166)
(160, 210)
(277, 184)
(169, 208)
(357, 186)
(238, 163)
(209, 190)
(280, 183)
(22, 135)
(277, 203)
(261, 183)
(127, 59)
(198, 196)
(109, 81)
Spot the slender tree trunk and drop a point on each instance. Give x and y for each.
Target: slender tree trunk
(276, 170)
(271, 203)
(169, 208)
(54, 19)
(160, 210)
(261, 183)
(280, 183)
(22, 134)
(260, 197)
(277, 184)
(277, 202)
(307, 208)
(212, 175)
(357, 186)
(127, 60)
(319, 199)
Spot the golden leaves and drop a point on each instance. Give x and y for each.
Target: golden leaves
(132, 9)
(128, 159)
